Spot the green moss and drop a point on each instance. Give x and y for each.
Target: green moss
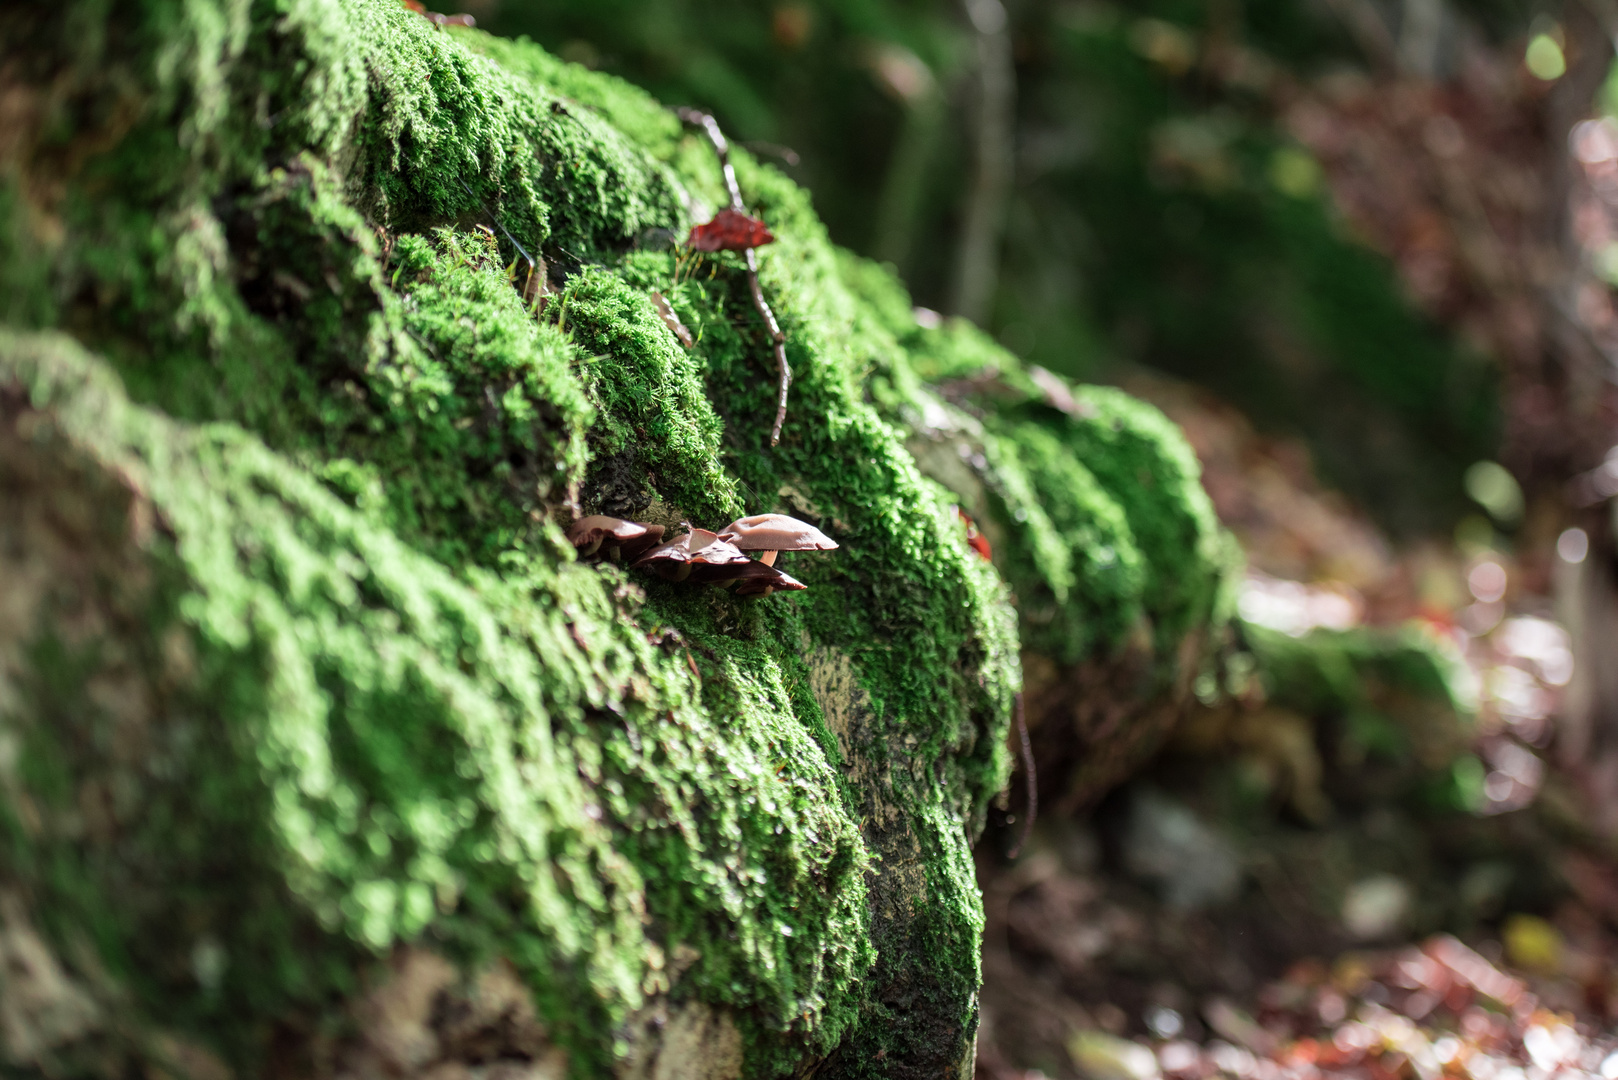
(1095, 499)
(413, 716)
(404, 757)
(650, 394)
(480, 428)
(1336, 672)
(1140, 457)
(1108, 568)
(923, 619)
(1394, 710)
(643, 121)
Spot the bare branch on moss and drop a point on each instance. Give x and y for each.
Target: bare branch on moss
(671, 320)
(710, 127)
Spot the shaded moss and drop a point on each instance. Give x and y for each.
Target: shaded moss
(1393, 709)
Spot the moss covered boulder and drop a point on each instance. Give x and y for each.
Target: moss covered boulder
(321, 754)
(1091, 505)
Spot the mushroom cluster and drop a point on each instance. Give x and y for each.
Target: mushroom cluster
(612, 537)
(703, 557)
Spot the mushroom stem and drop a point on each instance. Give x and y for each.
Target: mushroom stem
(767, 558)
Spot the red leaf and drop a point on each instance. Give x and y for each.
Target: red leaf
(974, 539)
(730, 230)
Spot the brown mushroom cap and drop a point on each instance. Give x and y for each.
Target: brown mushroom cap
(670, 560)
(765, 580)
(775, 532)
(590, 534)
(702, 558)
(721, 564)
(697, 554)
(630, 550)
(596, 526)
(697, 539)
(684, 546)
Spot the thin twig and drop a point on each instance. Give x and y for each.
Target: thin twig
(530, 295)
(1031, 783)
(710, 126)
(783, 372)
(514, 241)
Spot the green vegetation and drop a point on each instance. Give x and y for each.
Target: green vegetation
(1394, 710)
(294, 454)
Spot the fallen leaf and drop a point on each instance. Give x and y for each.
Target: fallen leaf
(730, 230)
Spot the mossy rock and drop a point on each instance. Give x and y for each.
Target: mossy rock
(1093, 507)
(320, 752)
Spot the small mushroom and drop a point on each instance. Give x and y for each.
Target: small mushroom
(697, 555)
(623, 539)
(772, 533)
(717, 565)
(721, 564)
(630, 550)
(671, 560)
(765, 579)
(697, 539)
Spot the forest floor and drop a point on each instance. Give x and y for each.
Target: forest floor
(1251, 909)
(1090, 974)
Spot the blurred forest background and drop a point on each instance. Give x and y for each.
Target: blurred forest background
(1338, 215)
(1364, 252)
